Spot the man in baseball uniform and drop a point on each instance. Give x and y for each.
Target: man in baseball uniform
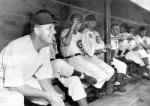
(124, 40)
(115, 32)
(139, 49)
(71, 39)
(25, 66)
(90, 38)
(142, 39)
(69, 77)
(119, 65)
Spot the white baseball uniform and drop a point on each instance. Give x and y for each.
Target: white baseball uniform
(123, 45)
(20, 63)
(89, 38)
(137, 55)
(63, 71)
(120, 66)
(80, 62)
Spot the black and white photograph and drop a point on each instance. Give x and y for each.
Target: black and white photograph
(74, 52)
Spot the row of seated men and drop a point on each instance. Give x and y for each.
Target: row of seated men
(28, 64)
(129, 52)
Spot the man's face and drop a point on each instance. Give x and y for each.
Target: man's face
(122, 30)
(91, 24)
(47, 32)
(132, 31)
(78, 26)
(143, 33)
(115, 30)
(78, 23)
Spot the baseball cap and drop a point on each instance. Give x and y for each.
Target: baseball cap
(142, 28)
(43, 17)
(90, 17)
(76, 15)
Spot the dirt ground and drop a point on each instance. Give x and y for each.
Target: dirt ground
(137, 94)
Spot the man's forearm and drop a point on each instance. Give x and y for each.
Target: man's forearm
(143, 45)
(46, 85)
(30, 91)
(68, 38)
(148, 46)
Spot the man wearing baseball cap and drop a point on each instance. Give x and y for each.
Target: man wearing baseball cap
(25, 65)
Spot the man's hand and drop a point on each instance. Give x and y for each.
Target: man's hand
(145, 42)
(55, 98)
(148, 67)
(88, 79)
(108, 46)
(75, 22)
(136, 48)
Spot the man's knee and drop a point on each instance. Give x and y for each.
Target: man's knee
(111, 71)
(11, 98)
(18, 97)
(123, 65)
(74, 79)
(58, 61)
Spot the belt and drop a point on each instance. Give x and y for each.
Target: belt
(52, 59)
(77, 54)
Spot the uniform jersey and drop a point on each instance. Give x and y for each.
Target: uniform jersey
(19, 61)
(114, 42)
(123, 45)
(145, 40)
(142, 40)
(72, 48)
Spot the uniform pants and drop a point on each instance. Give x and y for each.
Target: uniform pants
(63, 71)
(10, 98)
(120, 66)
(102, 65)
(84, 64)
(137, 56)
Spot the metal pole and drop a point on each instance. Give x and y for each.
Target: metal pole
(107, 24)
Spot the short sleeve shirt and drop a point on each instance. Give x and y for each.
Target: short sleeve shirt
(72, 48)
(140, 39)
(20, 61)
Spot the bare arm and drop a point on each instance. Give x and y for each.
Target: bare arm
(52, 94)
(148, 46)
(46, 85)
(30, 91)
(48, 93)
(145, 46)
(67, 39)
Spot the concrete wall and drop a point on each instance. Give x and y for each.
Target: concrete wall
(13, 16)
(122, 11)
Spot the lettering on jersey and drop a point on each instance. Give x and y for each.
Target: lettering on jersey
(79, 44)
(90, 35)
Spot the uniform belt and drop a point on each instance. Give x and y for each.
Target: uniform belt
(77, 54)
(52, 59)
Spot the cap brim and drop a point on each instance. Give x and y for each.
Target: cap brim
(55, 22)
